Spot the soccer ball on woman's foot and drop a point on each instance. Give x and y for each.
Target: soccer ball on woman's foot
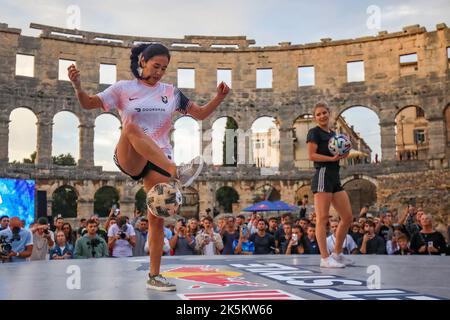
(164, 199)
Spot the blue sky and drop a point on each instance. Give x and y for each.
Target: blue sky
(268, 22)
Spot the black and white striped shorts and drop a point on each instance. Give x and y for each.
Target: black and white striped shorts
(326, 180)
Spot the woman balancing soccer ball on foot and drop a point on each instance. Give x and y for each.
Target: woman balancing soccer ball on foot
(146, 107)
(327, 189)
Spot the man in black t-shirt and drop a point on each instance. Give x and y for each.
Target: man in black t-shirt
(263, 241)
(371, 243)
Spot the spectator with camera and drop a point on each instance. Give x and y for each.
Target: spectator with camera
(410, 220)
(297, 243)
(286, 218)
(229, 234)
(428, 240)
(311, 239)
(243, 245)
(141, 232)
(4, 222)
(208, 242)
(62, 249)
(121, 238)
(16, 243)
(264, 242)
(220, 225)
(43, 239)
(91, 245)
(182, 243)
(371, 243)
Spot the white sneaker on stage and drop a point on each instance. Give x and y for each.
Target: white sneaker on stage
(330, 263)
(341, 258)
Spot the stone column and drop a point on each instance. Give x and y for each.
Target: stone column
(4, 137)
(206, 141)
(286, 146)
(85, 208)
(44, 139)
(436, 142)
(86, 143)
(387, 129)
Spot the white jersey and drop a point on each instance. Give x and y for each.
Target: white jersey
(149, 107)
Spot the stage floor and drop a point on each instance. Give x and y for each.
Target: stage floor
(268, 277)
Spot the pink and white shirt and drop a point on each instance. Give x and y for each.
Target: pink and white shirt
(151, 108)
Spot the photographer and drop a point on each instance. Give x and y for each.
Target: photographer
(121, 238)
(182, 243)
(91, 245)
(371, 243)
(209, 243)
(16, 243)
(62, 250)
(428, 240)
(43, 240)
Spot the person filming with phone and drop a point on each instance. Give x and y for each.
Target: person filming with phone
(209, 243)
(428, 240)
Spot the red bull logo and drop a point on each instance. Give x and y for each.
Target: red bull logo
(209, 276)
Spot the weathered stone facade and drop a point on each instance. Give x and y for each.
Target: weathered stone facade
(387, 89)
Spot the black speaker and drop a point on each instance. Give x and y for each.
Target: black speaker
(41, 207)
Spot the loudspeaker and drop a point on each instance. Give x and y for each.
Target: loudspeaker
(41, 208)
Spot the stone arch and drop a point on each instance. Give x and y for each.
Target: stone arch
(104, 198)
(220, 137)
(266, 192)
(362, 190)
(365, 136)
(266, 141)
(21, 134)
(301, 192)
(227, 198)
(186, 139)
(106, 136)
(66, 138)
(411, 138)
(65, 201)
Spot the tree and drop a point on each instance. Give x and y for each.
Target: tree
(65, 202)
(226, 196)
(32, 158)
(230, 125)
(104, 199)
(141, 203)
(64, 160)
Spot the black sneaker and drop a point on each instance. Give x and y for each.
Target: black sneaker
(160, 283)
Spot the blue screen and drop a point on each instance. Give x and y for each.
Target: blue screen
(17, 199)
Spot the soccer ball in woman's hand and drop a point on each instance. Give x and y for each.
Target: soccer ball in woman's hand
(164, 200)
(340, 144)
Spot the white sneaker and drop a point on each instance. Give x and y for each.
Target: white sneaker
(341, 258)
(330, 263)
(188, 172)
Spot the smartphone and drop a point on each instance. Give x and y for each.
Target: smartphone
(116, 211)
(294, 238)
(430, 243)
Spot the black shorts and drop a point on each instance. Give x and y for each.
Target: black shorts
(326, 180)
(147, 168)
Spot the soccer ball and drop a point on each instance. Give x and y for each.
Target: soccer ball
(339, 144)
(164, 200)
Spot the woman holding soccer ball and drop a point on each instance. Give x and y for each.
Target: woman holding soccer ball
(146, 107)
(326, 186)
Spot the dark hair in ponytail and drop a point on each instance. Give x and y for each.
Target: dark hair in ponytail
(148, 51)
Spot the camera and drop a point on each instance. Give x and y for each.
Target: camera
(5, 246)
(123, 231)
